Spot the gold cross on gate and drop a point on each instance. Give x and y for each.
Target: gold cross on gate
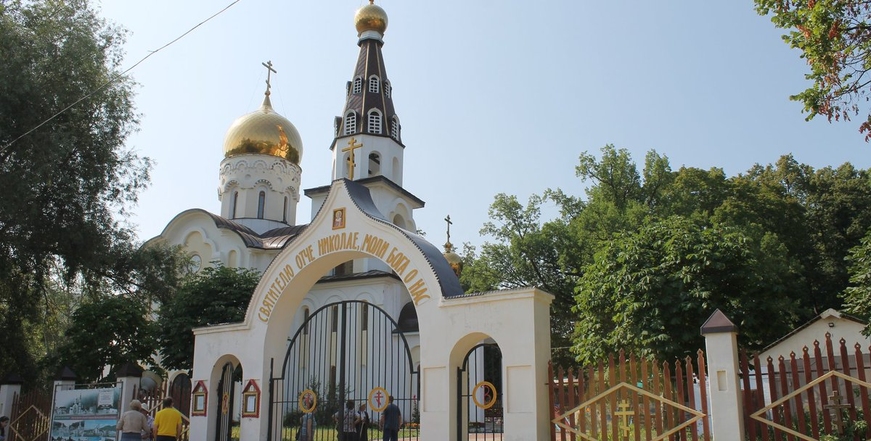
(624, 413)
(837, 407)
(269, 72)
(352, 145)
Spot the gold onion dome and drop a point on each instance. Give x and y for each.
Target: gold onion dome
(454, 259)
(264, 132)
(370, 18)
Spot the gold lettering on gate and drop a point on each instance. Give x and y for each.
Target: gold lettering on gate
(346, 241)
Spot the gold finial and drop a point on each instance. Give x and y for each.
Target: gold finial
(269, 72)
(454, 260)
(352, 145)
(449, 245)
(371, 2)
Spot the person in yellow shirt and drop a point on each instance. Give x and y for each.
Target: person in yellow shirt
(167, 422)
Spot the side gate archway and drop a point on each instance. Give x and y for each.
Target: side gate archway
(480, 393)
(230, 379)
(349, 350)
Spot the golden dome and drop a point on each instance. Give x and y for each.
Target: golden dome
(370, 18)
(264, 132)
(454, 259)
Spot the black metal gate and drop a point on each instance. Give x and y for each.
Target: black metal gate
(479, 393)
(346, 351)
(226, 409)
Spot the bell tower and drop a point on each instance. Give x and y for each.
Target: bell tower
(368, 135)
(367, 145)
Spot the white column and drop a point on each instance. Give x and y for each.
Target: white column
(130, 376)
(721, 344)
(8, 390)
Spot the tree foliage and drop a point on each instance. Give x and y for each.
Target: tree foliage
(649, 254)
(834, 37)
(857, 296)
(648, 290)
(106, 334)
(213, 296)
(67, 181)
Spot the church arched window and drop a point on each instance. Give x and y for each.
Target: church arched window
(375, 122)
(374, 164)
(261, 204)
(394, 128)
(358, 85)
(304, 339)
(387, 89)
(284, 213)
(235, 202)
(364, 330)
(350, 122)
(373, 84)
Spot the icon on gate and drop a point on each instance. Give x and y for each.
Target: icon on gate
(378, 399)
(487, 392)
(308, 401)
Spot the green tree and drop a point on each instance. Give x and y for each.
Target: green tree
(213, 296)
(106, 334)
(527, 254)
(68, 180)
(649, 290)
(648, 255)
(857, 296)
(833, 36)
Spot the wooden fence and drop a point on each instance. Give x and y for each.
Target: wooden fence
(631, 399)
(29, 417)
(822, 391)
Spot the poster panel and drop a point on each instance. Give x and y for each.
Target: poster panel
(85, 414)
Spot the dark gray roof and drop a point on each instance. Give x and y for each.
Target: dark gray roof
(274, 239)
(448, 281)
(310, 192)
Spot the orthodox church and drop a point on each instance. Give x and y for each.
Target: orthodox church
(335, 315)
(260, 180)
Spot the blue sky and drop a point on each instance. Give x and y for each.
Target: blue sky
(494, 97)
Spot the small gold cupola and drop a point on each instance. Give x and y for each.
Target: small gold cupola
(264, 132)
(370, 18)
(454, 259)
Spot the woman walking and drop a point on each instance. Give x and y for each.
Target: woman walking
(133, 424)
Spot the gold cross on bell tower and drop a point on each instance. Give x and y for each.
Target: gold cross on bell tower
(352, 145)
(269, 72)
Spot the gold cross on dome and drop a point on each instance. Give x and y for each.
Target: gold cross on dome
(448, 220)
(352, 145)
(269, 72)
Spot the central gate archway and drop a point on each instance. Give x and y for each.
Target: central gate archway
(349, 350)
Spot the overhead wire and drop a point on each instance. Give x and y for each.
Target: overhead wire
(115, 78)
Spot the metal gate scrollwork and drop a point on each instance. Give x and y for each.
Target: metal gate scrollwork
(345, 351)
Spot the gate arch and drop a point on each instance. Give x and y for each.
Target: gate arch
(480, 393)
(348, 350)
